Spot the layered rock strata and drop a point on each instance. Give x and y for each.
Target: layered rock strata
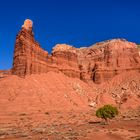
(98, 63)
(103, 61)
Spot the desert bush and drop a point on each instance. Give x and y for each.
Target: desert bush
(107, 112)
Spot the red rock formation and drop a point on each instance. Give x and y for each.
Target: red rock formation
(103, 61)
(29, 57)
(66, 59)
(98, 63)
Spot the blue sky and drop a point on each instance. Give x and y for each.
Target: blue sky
(75, 22)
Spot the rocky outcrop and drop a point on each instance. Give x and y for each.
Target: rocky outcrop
(98, 63)
(29, 57)
(66, 59)
(103, 61)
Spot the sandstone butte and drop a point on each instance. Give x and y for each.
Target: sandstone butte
(106, 73)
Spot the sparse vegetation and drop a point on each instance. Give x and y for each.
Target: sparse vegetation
(107, 112)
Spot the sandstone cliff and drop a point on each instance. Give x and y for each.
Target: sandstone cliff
(98, 63)
(29, 57)
(103, 61)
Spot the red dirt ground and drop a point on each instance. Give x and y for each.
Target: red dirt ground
(53, 106)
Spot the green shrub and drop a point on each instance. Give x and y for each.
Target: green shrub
(107, 112)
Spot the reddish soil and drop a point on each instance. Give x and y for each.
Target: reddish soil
(53, 106)
(63, 125)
